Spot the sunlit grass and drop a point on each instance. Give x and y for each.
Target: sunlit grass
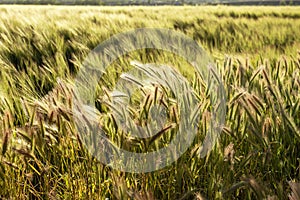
(256, 50)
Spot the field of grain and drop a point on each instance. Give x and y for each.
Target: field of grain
(257, 54)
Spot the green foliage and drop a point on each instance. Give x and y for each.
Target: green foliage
(255, 48)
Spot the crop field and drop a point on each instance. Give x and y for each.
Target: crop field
(256, 51)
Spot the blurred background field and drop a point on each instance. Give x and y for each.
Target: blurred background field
(257, 53)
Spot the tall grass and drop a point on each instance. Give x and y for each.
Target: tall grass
(255, 48)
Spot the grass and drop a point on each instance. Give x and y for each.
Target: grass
(256, 50)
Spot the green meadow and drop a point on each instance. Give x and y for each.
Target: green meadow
(257, 54)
